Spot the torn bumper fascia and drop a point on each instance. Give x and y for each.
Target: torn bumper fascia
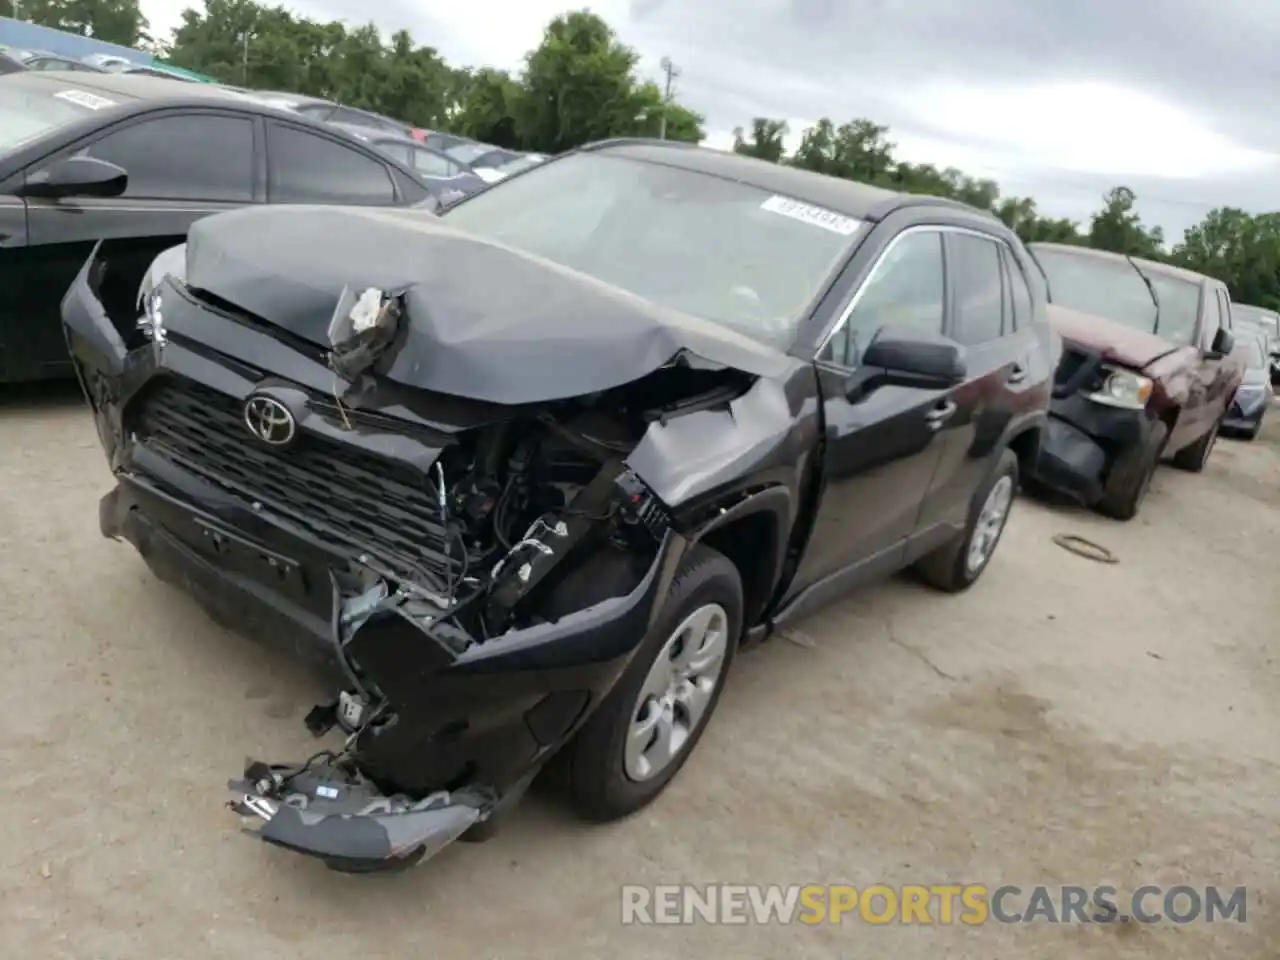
(350, 826)
(1080, 441)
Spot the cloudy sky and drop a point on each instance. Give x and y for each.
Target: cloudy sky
(1057, 99)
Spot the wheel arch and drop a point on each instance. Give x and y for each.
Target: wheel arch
(752, 533)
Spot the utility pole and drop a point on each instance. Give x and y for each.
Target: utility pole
(672, 71)
(17, 9)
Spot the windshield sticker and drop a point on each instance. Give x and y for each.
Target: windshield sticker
(817, 216)
(85, 99)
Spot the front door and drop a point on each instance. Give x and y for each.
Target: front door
(181, 167)
(882, 448)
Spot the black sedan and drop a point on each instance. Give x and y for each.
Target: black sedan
(134, 161)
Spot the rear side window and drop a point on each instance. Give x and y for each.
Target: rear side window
(305, 168)
(191, 157)
(433, 164)
(1022, 309)
(974, 264)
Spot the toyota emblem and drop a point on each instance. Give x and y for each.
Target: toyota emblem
(270, 421)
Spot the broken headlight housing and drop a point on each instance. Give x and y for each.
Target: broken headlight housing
(1122, 388)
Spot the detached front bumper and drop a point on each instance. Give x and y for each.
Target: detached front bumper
(1081, 441)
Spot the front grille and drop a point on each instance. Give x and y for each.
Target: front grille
(1075, 369)
(339, 493)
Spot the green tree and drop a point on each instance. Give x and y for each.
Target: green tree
(856, 150)
(1118, 228)
(485, 108)
(578, 86)
(1020, 215)
(647, 109)
(768, 140)
(113, 21)
(1241, 250)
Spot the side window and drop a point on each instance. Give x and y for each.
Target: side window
(974, 263)
(353, 117)
(434, 165)
(191, 157)
(1213, 319)
(1022, 309)
(316, 111)
(905, 289)
(305, 168)
(1225, 301)
(1006, 290)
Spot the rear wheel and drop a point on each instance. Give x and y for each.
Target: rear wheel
(956, 565)
(1130, 476)
(643, 732)
(1194, 457)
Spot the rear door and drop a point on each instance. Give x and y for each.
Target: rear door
(986, 289)
(182, 165)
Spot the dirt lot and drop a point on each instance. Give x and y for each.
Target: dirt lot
(1066, 722)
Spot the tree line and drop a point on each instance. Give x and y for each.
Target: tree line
(581, 83)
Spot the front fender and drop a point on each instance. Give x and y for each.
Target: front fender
(761, 438)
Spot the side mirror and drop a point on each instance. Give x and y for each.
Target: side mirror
(1223, 343)
(77, 177)
(901, 357)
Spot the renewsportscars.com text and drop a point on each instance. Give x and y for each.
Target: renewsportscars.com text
(943, 904)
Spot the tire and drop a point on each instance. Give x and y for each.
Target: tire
(948, 567)
(1130, 476)
(600, 785)
(1193, 458)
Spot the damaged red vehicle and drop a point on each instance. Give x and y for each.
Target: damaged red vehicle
(526, 475)
(1147, 372)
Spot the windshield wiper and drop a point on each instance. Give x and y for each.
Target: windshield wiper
(1155, 297)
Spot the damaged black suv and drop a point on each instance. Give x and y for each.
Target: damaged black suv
(526, 476)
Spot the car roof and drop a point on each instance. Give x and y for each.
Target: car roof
(849, 197)
(1150, 266)
(125, 86)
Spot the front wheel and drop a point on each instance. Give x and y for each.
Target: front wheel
(643, 732)
(956, 565)
(1194, 457)
(1130, 475)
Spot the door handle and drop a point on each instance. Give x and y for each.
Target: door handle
(940, 414)
(1018, 373)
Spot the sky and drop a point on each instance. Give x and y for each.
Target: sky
(1057, 99)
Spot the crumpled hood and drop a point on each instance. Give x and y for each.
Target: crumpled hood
(1125, 345)
(484, 321)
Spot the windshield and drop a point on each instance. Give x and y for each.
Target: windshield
(1179, 307)
(29, 111)
(1097, 285)
(707, 246)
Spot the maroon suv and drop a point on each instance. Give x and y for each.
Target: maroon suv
(1147, 372)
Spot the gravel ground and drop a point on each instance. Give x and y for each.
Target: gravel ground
(1065, 722)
